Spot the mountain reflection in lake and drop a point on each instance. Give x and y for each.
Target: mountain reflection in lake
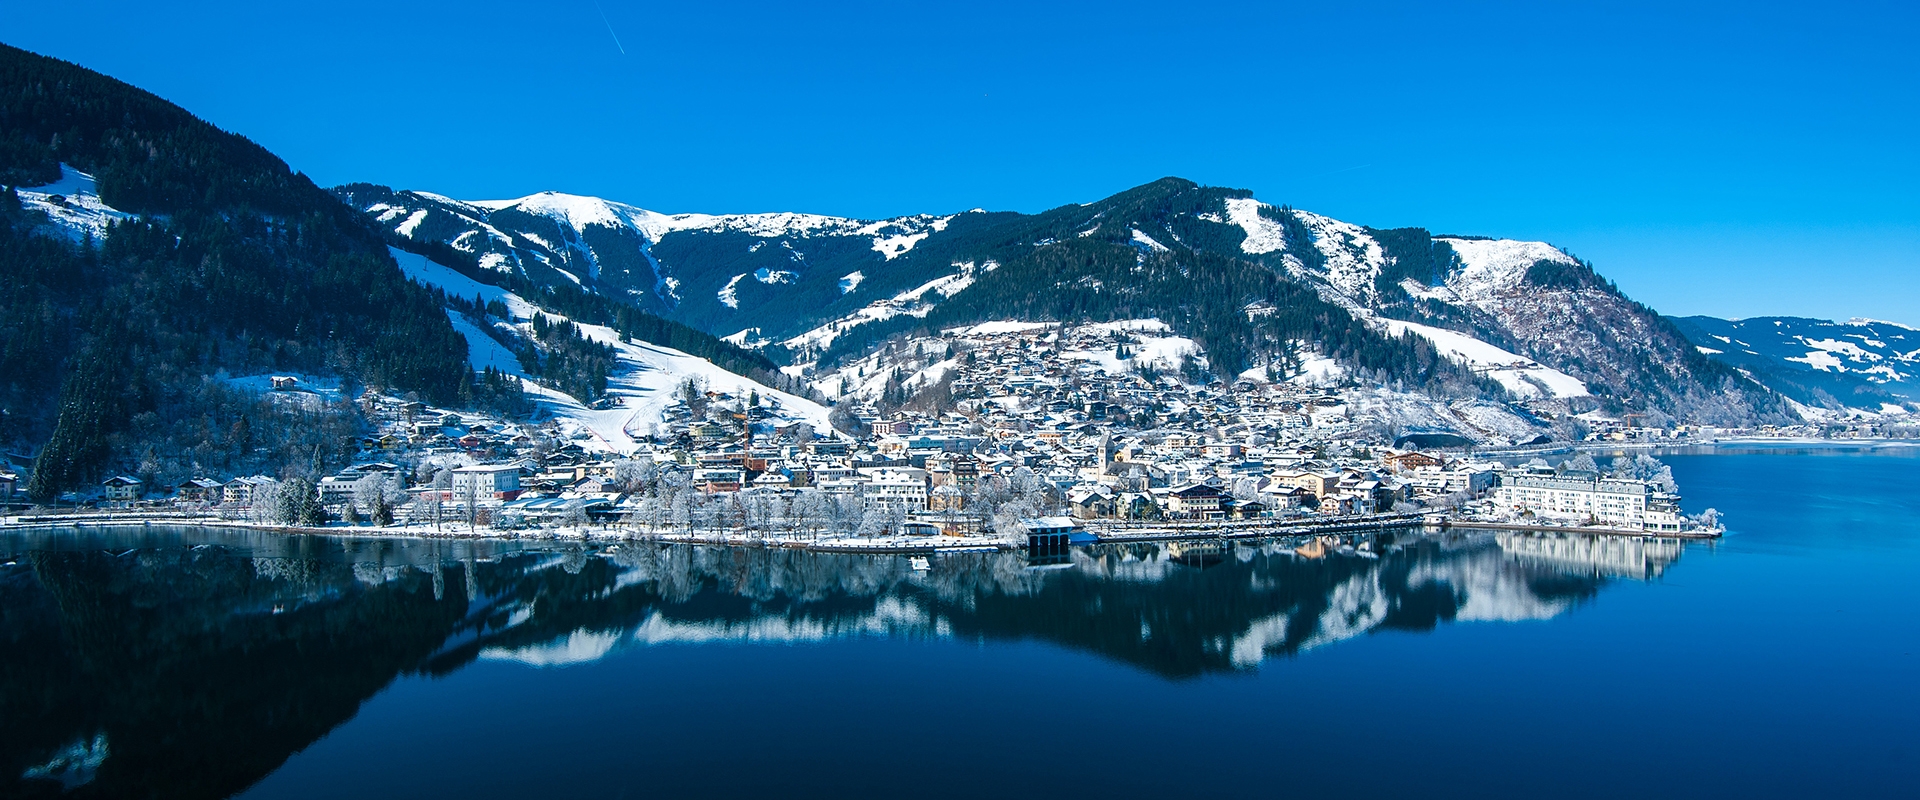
(193, 663)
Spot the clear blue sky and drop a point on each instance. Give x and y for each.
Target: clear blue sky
(1735, 160)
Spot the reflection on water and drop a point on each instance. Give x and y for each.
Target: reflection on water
(187, 663)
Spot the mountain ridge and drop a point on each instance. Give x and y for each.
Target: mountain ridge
(803, 277)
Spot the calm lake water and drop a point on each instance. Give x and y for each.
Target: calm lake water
(1778, 662)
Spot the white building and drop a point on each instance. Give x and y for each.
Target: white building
(1582, 497)
(904, 490)
(486, 482)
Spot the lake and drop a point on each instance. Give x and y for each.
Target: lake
(1776, 662)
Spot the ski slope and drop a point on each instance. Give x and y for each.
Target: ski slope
(642, 384)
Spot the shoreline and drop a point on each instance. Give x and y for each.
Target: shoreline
(1102, 532)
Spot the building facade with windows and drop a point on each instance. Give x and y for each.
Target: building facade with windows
(1587, 497)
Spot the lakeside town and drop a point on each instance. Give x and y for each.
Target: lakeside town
(1022, 440)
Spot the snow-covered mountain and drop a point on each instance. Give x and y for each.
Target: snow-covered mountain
(1860, 363)
(1256, 284)
(720, 273)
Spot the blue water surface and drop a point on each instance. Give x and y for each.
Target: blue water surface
(1776, 662)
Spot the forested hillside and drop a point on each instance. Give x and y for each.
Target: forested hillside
(235, 263)
(1093, 262)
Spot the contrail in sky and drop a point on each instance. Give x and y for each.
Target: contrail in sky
(603, 18)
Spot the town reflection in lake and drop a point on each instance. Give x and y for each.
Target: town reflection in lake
(189, 663)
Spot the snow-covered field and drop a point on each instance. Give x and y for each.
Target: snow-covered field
(642, 383)
(1154, 345)
(78, 208)
(1519, 374)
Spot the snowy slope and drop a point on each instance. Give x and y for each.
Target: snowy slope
(1490, 267)
(1352, 258)
(1520, 375)
(73, 203)
(686, 267)
(643, 383)
(916, 302)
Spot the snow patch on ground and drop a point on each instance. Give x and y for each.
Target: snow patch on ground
(1263, 235)
(916, 302)
(1489, 267)
(1520, 375)
(413, 221)
(1865, 321)
(78, 208)
(893, 247)
(1148, 347)
(1422, 291)
(484, 351)
(429, 273)
(775, 276)
(1353, 258)
(1148, 241)
(1318, 370)
(730, 294)
(1822, 360)
(851, 281)
(749, 338)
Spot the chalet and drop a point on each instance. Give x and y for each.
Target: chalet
(197, 490)
(946, 498)
(1408, 461)
(1092, 502)
(1198, 501)
(122, 489)
(1243, 509)
(1319, 482)
(241, 491)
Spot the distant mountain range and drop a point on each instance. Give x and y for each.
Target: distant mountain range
(1861, 363)
(1263, 288)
